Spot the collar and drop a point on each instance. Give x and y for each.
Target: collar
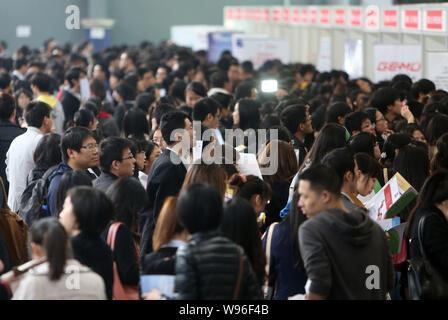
(34, 130)
(174, 244)
(347, 197)
(212, 91)
(185, 161)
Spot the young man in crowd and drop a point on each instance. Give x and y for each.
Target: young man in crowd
(79, 152)
(20, 156)
(168, 171)
(41, 86)
(357, 122)
(8, 131)
(296, 119)
(116, 161)
(345, 253)
(71, 96)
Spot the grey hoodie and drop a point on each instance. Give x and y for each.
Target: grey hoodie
(346, 256)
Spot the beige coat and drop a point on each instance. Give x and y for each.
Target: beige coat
(77, 283)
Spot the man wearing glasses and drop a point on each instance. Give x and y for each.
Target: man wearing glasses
(79, 152)
(116, 161)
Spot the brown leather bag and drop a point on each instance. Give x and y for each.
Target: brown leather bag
(15, 233)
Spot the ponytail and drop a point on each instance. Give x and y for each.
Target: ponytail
(51, 235)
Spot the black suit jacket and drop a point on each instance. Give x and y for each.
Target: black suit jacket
(165, 179)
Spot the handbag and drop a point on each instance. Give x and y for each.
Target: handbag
(425, 282)
(120, 290)
(270, 283)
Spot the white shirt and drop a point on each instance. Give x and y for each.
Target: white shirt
(19, 162)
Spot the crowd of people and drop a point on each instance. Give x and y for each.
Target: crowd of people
(103, 183)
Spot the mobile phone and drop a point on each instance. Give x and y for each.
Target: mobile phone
(27, 266)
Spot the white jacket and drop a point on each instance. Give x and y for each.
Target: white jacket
(77, 283)
(19, 162)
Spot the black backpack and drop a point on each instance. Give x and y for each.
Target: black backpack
(33, 202)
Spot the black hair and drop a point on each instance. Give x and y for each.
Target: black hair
(178, 90)
(336, 110)
(73, 74)
(98, 89)
(354, 120)
(69, 180)
(244, 90)
(340, 160)
(436, 128)
(90, 106)
(384, 97)
(363, 142)
(160, 110)
(441, 158)
(197, 87)
(129, 198)
(223, 99)
(247, 67)
(249, 114)
(199, 216)
(292, 116)
(424, 86)
(239, 224)
(144, 100)
(330, 137)
(322, 178)
(92, 208)
(7, 106)
(413, 164)
(393, 142)
(35, 112)
(170, 122)
(126, 92)
(218, 79)
(111, 149)
(83, 118)
(48, 151)
(203, 107)
(51, 235)
(135, 124)
(42, 81)
(73, 139)
(5, 80)
(252, 185)
(368, 165)
(434, 191)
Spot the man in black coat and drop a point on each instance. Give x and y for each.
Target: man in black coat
(71, 97)
(8, 131)
(168, 172)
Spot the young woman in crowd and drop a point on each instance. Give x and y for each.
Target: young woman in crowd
(85, 214)
(51, 278)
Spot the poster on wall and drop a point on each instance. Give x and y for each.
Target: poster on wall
(324, 57)
(393, 59)
(353, 58)
(217, 43)
(259, 49)
(193, 37)
(437, 68)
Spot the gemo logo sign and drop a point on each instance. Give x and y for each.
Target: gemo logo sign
(399, 66)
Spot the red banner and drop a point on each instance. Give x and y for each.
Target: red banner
(411, 19)
(434, 20)
(339, 17)
(355, 17)
(390, 18)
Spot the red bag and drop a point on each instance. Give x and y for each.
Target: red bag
(120, 291)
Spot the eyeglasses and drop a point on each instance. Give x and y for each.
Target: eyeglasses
(90, 147)
(381, 119)
(368, 126)
(131, 156)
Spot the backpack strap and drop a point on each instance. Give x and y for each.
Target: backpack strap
(268, 255)
(4, 205)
